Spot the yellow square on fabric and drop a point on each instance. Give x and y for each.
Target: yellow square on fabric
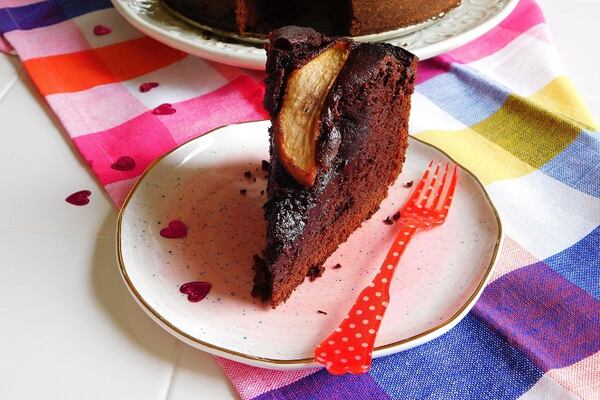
(561, 97)
(488, 161)
(521, 136)
(528, 131)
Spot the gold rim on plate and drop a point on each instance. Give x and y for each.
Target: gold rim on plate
(308, 360)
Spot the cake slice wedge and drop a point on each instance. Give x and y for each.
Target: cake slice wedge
(338, 138)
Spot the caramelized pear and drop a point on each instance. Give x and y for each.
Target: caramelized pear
(297, 125)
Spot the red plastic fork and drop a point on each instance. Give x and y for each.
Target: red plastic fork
(349, 348)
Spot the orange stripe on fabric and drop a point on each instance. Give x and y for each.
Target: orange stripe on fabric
(115, 63)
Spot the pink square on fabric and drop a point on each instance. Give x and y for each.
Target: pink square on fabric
(5, 47)
(433, 67)
(526, 15)
(16, 3)
(62, 38)
(238, 101)
(511, 257)
(109, 17)
(96, 109)
(184, 80)
(581, 378)
(486, 45)
(540, 32)
(119, 190)
(143, 138)
(252, 381)
(227, 71)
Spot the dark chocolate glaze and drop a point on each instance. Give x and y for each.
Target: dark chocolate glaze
(343, 128)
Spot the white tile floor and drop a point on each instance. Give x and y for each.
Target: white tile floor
(69, 328)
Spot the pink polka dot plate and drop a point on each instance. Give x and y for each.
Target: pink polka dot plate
(215, 186)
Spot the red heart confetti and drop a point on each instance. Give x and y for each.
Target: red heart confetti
(124, 163)
(195, 291)
(164, 109)
(147, 86)
(80, 198)
(175, 230)
(100, 30)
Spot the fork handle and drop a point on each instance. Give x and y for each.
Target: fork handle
(349, 348)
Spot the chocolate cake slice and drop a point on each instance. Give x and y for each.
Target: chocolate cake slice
(339, 113)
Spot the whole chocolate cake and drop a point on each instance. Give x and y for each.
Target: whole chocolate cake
(339, 113)
(332, 17)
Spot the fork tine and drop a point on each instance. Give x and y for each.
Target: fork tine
(433, 199)
(415, 194)
(429, 185)
(447, 193)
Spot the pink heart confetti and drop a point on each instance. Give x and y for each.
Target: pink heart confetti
(80, 198)
(195, 291)
(124, 163)
(147, 86)
(175, 230)
(100, 30)
(164, 109)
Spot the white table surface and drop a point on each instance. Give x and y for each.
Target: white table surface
(69, 329)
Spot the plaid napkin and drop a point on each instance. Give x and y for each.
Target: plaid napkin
(501, 105)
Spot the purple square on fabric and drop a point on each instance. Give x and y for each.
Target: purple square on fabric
(322, 385)
(548, 318)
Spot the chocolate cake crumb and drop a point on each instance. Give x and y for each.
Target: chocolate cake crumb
(337, 266)
(248, 174)
(243, 191)
(396, 216)
(388, 221)
(315, 271)
(321, 312)
(408, 184)
(262, 192)
(265, 166)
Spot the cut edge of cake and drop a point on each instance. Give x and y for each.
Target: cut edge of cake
(338, 138)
